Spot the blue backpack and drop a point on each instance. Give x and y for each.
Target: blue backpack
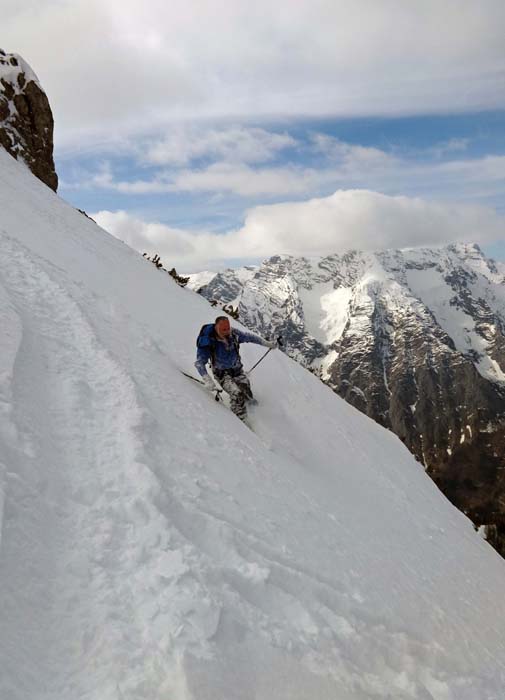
(207, 339)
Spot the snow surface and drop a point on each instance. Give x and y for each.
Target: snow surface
(199, 279)
(325, 310)
(431, 287)
(10, 72)
(152, 547)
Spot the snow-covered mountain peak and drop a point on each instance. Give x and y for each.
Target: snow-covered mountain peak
(462, 283)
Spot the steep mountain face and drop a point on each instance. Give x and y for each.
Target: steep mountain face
(153, 547)
(26, 120)
(413, 338)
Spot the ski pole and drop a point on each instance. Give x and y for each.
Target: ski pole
(279, 344)
(261, 358)
(218, 391)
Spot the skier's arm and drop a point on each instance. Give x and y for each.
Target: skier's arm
(246, 337)
(202, 357)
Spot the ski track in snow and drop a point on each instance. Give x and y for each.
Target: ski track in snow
(94, 508)
(99, 527)
(88, 397)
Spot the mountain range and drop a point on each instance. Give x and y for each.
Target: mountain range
(414, 338)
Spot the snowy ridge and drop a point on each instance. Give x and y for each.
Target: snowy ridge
(323, 288)
(199, 279)
(152, 546)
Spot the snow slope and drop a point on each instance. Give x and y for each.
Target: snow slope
(153, 547)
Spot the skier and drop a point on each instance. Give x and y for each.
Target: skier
(219, 343)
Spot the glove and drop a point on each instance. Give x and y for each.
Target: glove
(209, 384)
(273, 344)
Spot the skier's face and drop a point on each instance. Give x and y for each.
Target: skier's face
(223, 329)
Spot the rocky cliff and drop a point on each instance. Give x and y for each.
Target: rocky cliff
(413, 338)
(26, 120)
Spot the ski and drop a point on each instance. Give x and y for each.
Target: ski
(251, 401)
(218, 391)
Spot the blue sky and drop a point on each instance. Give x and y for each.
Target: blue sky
(419, 140)
(218, 132)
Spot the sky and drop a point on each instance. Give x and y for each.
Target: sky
(218, 133)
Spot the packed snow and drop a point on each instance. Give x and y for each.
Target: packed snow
(199, 279)
(431, 287)
(325, 310)
(154, 547)
(11, 67)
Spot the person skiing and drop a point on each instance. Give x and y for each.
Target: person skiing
(219, 343)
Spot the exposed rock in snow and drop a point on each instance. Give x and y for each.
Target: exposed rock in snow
(26, 120)
(413, 338)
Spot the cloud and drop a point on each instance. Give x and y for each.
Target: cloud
(367, 220)
(439, 150)
(351, 158)
(347, 219)
(104, 179)
(220, 177)
(231, 144)
(150, 237)
(246, 181)
(117, 68)
(334, 163)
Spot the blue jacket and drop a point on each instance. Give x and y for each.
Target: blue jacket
(224, 354)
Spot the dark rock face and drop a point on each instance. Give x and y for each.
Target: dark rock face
(225, 286)
(26, 120)
(416, 340)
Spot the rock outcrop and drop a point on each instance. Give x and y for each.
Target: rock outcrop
(413, 338)
(26, 120)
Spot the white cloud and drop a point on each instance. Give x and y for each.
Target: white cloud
(448, 147)
(341, 165)
(367, 220)
(150, 237)
(121, 67)
(347, 219)
(227, 178)
(351, 157)
(490, 167)
(246, 181)
(232, 144)
(104, 179)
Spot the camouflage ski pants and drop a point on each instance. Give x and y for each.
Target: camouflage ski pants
(237, 386)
